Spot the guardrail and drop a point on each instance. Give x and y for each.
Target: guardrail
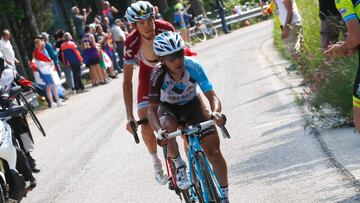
(235, 18)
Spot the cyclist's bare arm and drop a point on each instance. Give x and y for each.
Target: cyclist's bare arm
(128, 93)
(153, 116)
(215, 106)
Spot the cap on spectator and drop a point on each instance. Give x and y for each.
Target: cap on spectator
(67, 36)
(117, 20)
(39, 37)
(45, 35)
(73, 9)
(92, 26)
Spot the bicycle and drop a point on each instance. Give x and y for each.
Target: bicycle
(203, 28)
(205, 187)
(170, 169)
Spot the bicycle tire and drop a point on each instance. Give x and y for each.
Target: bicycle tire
(186, 196)
(199, 34)
(196, 184)
(214, 196)
(32, 115)
(211, 31)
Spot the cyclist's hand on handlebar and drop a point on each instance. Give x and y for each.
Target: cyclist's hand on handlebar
(218, 118)
(161, 137)
(129, 127)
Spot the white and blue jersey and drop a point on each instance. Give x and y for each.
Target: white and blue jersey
(163, 87)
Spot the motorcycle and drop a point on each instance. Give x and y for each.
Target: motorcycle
(12, 184)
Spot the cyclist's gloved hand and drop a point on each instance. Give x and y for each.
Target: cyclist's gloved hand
(219, 118)
(161, 137)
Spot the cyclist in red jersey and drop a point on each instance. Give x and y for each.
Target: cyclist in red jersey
(139, 44)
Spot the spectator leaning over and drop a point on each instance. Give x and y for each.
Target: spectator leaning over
(7, 49)
(290, 20)
(68, 73)
(330, 22)
(350, 11)
(91, 57)
(182, 20)
(119, 39)
(79, 20)
(52, 53)
(71, 56)
(46, 69)
(108, 11)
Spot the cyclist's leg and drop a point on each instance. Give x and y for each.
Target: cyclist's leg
(209, 141)
(211, 147)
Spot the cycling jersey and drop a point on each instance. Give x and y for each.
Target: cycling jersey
(350, 9)
(164, 89)
(132, 51)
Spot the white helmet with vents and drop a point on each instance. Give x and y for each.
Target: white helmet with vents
(138, 11)
(167, 43)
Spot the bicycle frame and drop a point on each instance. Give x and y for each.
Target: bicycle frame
(194, 147)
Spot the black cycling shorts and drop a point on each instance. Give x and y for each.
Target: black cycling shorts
(356, 87)
(190, 113)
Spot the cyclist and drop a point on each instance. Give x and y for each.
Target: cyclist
(350, 11)
(173, 98)
(139, 44)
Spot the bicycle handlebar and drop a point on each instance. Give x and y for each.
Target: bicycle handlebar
(196, 129)
(134, 125)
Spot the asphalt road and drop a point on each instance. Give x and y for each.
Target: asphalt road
(89, 157)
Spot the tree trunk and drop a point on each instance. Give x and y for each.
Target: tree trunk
(163, 5)
(197, 7)
(30, 16)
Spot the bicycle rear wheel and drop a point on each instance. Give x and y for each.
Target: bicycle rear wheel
(206, 179)
(211, 31)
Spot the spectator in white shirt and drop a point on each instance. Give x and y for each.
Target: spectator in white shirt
(7, 49)
(119, 39)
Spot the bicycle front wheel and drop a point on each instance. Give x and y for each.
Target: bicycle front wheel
(199, 35)
(204, 176)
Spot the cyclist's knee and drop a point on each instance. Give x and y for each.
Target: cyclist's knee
(168, 123)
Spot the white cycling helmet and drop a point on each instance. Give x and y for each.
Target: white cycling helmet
(167, 43)
(139, 10)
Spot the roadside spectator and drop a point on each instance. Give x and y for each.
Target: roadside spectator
(107, 29)
(119, 39)
(46, 70)
(40, 84)
(157, 14)
(52, 53)
(7, 49)
(291, 26)
(103, 39)
(182, 20)
(108, 11)
(330, 22)
(79, 20)
(68, 73)
(71, 56)
(91, 57)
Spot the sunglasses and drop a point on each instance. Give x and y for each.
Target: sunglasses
(176, 55)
